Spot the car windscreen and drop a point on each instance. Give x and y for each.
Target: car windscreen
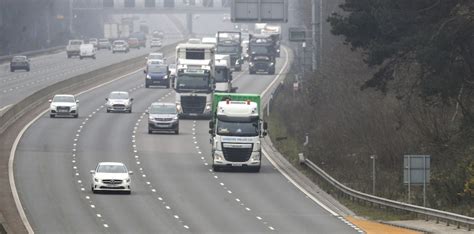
(19, 59)
(118, 96)
(119, 43)
(103, 40)
(155, 56)
(63, 99)
(76, 42)
(111, 169)
(157, 69)
(163, 109)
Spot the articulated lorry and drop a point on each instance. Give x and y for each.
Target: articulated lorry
(194, 82)
(262, 52)
(230, 43)
(236, 129)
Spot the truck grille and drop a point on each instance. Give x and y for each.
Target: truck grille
(237, 154)
(193, 104)
(261, 65)
(112, 181)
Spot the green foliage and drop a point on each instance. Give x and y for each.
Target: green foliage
(435, 35)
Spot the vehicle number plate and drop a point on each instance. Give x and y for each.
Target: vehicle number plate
(236, 164)
(163, 125)
(61, 110)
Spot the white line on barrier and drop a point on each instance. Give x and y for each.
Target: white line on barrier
(5, 107)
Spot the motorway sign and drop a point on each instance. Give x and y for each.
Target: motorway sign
(259, 11)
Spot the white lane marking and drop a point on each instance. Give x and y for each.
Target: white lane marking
(11, 159)
(283, 69)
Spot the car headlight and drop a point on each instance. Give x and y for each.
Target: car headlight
(165, 77)
(52, 106)
(271, 64)
(148, 76)
(175, 118)
(74, 107)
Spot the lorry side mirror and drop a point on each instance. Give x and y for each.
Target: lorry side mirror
(106, 99)
(144, 71)
(264, 134)
(211, 131)
(265, 126)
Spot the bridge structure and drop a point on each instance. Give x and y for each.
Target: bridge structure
(102, 9)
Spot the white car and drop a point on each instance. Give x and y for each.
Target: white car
(119, 101)
(111, 176)
(120, 46)
(64, 105)
(155, 58)
(87, 51)
(155, 42)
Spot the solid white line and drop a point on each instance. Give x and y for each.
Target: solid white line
(11, 160)
(297, 185)
(5, 107)
(276, 165)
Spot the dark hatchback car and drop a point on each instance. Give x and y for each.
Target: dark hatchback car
(20, 63)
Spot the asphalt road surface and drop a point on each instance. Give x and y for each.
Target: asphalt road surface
(174, 187)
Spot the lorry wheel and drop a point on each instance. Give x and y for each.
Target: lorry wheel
(216, 168)
(251, 72)
(255, 169)
(147, 86)
(176, 131)
(51, 116)
(271, 72)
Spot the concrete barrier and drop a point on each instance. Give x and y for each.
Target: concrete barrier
(7, 58)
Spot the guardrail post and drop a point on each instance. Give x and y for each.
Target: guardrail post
(447, 222)
(437, 220)
(459, 225)
(469, 227)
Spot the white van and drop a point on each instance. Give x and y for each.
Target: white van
(87, 50)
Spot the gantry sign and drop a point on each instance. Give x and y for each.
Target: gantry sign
(259, 11)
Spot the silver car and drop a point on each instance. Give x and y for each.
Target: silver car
(119, 101)
(163, 117)
(64, 105)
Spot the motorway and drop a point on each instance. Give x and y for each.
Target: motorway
(49, 69)
(174, 187)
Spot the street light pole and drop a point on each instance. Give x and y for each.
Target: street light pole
(373, 157)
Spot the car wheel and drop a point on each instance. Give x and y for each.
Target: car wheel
(130, 111)
(76, 116)
(93, 57)
(80, 57)
(68, 56)
(150, 131)
(272, 72)
(12, 70)
(128, 192)
(51, 116)
(28, 70)
(113, 52)
(176, 131)
(108, 111)
(147, 86)
(251, 72)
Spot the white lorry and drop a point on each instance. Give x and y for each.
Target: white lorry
(223, 74)
(194, 82)
(236, 130)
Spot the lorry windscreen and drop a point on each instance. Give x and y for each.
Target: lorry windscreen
(229, 128)
(260, 50)
(190, 82)
(222, 75)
